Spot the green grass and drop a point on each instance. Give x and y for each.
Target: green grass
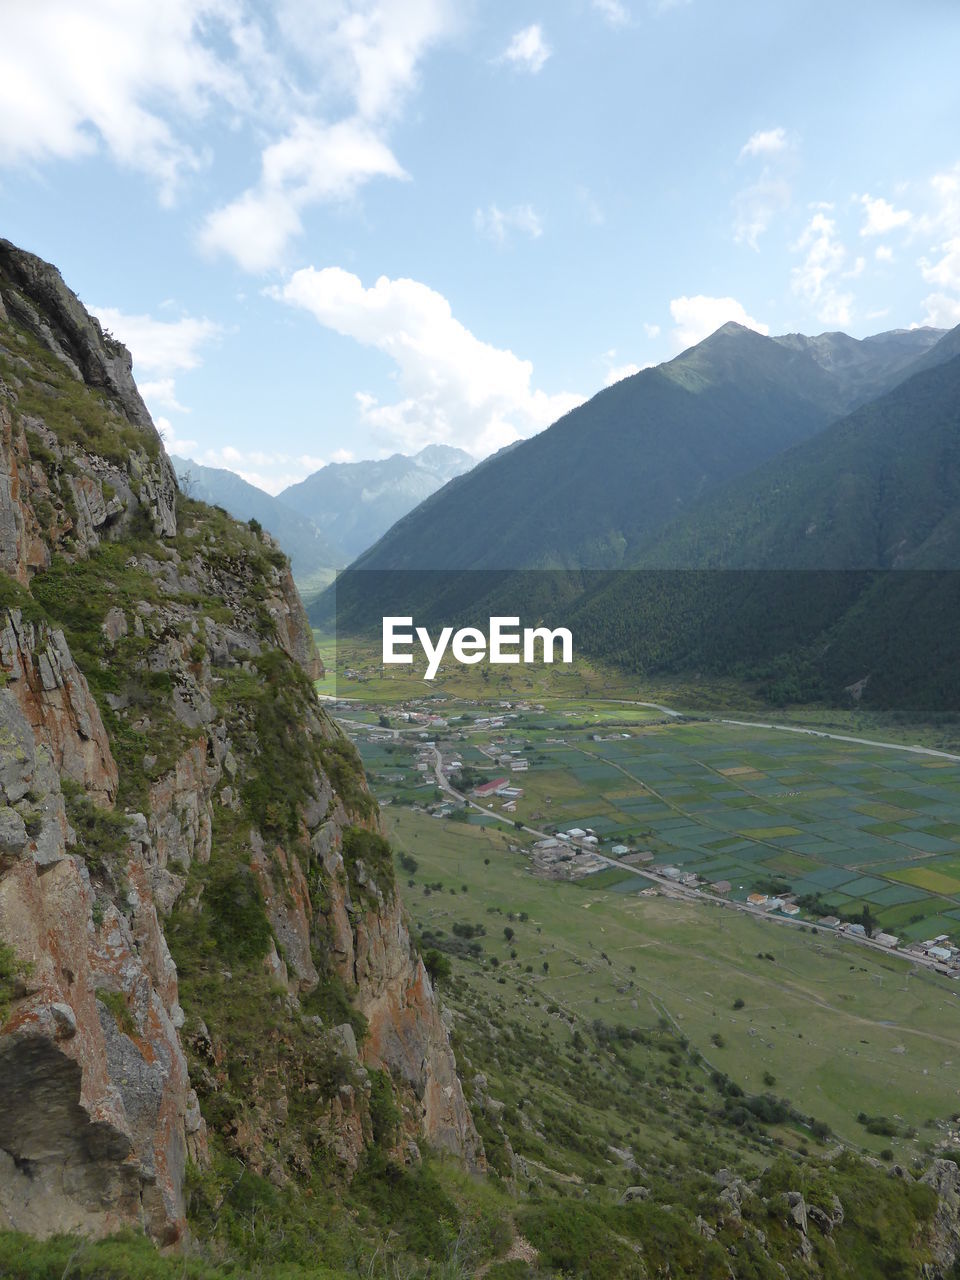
(828, 1021)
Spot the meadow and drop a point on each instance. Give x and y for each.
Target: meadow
(834, 1028)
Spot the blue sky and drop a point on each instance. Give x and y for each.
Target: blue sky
(334, 229)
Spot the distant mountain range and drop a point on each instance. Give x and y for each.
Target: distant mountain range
(326, 520)
(355, 503)
(807, 468)
(594, 487)
(314, 558)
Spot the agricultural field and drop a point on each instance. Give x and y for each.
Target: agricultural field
(852, 826)
(837, 1030)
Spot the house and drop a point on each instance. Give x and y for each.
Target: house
(774, 904)
(857, 930)
(669, 873)
(939, 953)
(721, 886)
(829, 922)
(757, 899)
(591, 840)
(619, 849)
(886, 939)
(790, 909)
(490, 788)
(689, 879)
(576, 833)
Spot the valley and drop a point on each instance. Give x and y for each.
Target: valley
(632, 838)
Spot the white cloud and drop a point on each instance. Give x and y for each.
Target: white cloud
(161, 394)
(941, 311)
(883, 253)
(528, 51)
(159, 346)
(496, 223)
(268, 471)
(946, 271)
(697, 317)
(882, 217)
(318, 83)
(313, 163)
(823, 263)
(75, 78)
(940, 266)
(652, 330)
(756, 206)
(455, 388)
(765, 142)
(367, 50)
(612, 12)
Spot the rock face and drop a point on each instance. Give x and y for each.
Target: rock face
(173, 810)
(98, 1112)
(373, 951)
(944, 1177)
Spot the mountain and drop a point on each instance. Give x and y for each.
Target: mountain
(830, 572)
(595, 485)
(866, 367)
(807, 607)
(314, 558)
(355, 503)
(878, 489)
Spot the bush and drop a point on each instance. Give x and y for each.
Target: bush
(237, 915)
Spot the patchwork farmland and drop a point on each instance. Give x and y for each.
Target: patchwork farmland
(852, 825)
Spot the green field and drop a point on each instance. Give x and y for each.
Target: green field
(752, 805)
(841, 1030)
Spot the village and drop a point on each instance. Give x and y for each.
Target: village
(471, 761)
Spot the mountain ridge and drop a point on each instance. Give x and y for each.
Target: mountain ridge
(604, 477)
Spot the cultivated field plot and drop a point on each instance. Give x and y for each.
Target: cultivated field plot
(393, 773)
(853, 824)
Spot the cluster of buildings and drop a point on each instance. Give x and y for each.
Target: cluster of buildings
(582, 835)
(772, 902)
(939, 949)
(560, 860)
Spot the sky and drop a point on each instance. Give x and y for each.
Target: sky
(337, 229)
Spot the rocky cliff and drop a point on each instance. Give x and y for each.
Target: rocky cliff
(201, 944)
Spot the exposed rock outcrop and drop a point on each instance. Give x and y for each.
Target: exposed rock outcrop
(98, 1114)
(183, 795)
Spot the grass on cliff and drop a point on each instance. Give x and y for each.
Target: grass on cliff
(10, 970)
(80, 416)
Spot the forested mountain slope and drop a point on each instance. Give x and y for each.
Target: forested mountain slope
(589, 489)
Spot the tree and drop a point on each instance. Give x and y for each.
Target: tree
(437, 965)
(508, 933)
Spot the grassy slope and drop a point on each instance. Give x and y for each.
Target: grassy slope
(827, 1021)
